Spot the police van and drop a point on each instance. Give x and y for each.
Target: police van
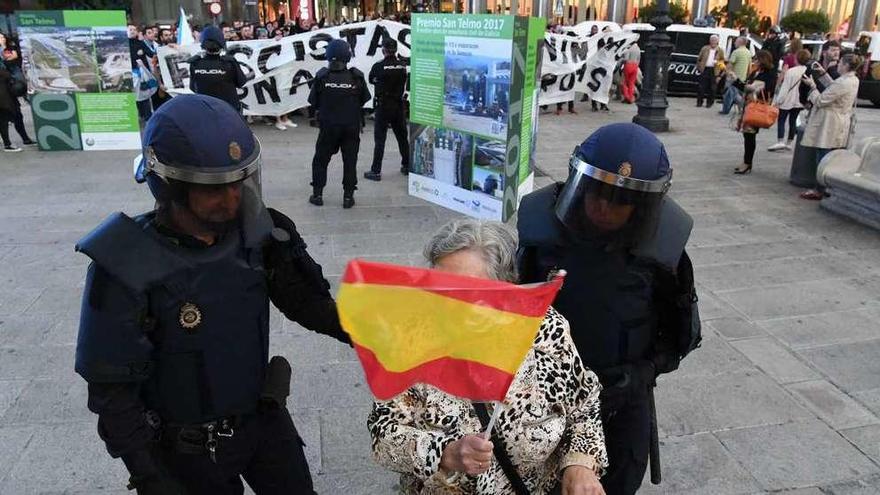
(688, 41)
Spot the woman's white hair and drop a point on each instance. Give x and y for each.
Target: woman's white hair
(495, 241)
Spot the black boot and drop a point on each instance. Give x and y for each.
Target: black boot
(376, 176)
(404, 169)
(316, 198)
(348, 200)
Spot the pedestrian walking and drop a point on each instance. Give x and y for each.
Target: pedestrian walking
(174, 329)
(788, 101)
(632, 59)
(830, 124)
(389, 78)
(338, 94)
(214, 74)
(710, 58)
(628, 292)
(760, 85)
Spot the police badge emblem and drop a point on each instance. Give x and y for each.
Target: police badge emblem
(625, 169)
(234, 151)
(190, 316)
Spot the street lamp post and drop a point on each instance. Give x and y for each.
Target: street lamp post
(652, 100)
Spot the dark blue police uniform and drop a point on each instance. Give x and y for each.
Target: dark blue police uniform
(213, 74)
(174, 330)
(626, 294)
(338, 93)
(389, 78)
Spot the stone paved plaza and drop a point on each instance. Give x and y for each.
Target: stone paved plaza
(783, 396)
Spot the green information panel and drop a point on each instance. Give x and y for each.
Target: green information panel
(474, 107)
(79, 61)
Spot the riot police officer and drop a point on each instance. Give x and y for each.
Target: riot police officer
(628, 293)
(389, 78)
(174, 330)
(213, 74)
(338, 94)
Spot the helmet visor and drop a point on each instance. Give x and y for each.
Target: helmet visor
(596, 203)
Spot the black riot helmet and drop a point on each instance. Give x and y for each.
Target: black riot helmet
(616, 182)
(198, 141)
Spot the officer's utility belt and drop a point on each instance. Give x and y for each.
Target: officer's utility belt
(204, 437)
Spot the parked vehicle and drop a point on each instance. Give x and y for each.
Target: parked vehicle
(687, 41)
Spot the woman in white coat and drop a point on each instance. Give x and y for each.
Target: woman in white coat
(831, 116)
(788, 101)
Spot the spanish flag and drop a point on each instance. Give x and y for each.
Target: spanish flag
(466, 336)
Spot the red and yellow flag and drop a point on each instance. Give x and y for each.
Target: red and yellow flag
(466, 336)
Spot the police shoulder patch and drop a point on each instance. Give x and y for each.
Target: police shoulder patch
(190, 316)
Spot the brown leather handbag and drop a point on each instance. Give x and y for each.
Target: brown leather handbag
(760, 115)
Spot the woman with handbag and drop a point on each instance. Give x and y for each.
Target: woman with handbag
(758, 114)
(831, 122)
(788, 101)
(549, 437)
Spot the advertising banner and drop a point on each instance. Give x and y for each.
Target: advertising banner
(282, 69)
(473, 100)
(78, 64)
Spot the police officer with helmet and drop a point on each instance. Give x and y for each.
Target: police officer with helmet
(629, 292)
(338, 94)
(389, 76)
(213, 74)
(174, 329)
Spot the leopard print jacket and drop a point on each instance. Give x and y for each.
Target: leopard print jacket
(551, 421)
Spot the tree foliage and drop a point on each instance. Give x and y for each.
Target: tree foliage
(806, 22)
(746, 17)
(678, 13)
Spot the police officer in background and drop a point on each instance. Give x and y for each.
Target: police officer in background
(629, 293)
(213, 74)
(338, 94)
(174, 329)
(389, 79)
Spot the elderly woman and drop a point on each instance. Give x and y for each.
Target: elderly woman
(828, 127)
(550, 426)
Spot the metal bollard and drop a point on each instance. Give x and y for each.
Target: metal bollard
(803, 164)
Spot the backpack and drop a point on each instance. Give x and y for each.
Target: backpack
(680, 318)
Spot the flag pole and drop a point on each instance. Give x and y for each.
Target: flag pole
(495, 413)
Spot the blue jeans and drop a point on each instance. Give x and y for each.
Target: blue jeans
(731, 97)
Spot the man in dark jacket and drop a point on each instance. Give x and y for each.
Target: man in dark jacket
(213, 74)
(338, 94)
(389, 78)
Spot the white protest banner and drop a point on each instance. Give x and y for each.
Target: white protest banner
(583, 64)
(281, 69)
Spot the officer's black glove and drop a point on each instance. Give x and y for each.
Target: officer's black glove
(289, 265)
(148, 475)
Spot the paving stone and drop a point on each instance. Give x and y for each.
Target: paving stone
(26, 329)
(688, 405)
(345, 439)
(755, 252)
(14, 440)
(9, 392)
(736, 328)
(775, 360)
(364, 482)
(330, 385)
(309, 349)
(803, 332)
(796, 299)
(867, 439)
(699, 464)
(775, 272)
(798, 454)
(853, 367)
(870, 399)
(869, 486)
(833, 406)
(49, 401)
(711, 306)
(65, 457)
(37, 362)
(713, 357)
(308, 425)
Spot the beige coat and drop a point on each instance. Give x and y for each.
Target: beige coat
(828, 126)
(703, 58)
(788, 96)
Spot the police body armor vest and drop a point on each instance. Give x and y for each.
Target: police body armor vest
(340, 102)
(207, 318)
(609, 295)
